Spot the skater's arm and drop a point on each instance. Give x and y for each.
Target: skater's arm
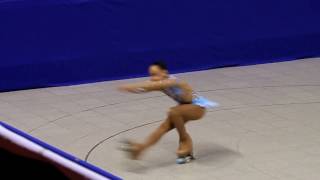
(148, 86)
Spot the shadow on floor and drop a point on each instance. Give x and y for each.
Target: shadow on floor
(207, 154)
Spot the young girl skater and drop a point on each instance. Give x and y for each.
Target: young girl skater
(190, 107)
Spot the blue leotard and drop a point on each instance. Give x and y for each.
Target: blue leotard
(175, 92)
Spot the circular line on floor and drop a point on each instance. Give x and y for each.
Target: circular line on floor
(153, 122)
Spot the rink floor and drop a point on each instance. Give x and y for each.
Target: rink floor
(266, 128)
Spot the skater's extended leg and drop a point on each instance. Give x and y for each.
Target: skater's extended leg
(157, 134)
(154, 137)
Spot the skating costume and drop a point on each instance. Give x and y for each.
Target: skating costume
(175, 92)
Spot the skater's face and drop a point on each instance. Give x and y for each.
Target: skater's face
(157, 74)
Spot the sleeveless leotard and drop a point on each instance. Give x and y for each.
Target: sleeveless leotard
(175, 92)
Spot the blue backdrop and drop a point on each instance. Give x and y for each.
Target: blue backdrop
(56, 42)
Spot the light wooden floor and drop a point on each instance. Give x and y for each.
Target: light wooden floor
(267, 127)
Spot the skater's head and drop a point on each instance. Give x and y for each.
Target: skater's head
(158, 71)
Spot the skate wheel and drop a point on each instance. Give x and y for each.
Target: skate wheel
(183, 160)
(125, 146)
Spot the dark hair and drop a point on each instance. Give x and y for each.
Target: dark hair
(160, 64)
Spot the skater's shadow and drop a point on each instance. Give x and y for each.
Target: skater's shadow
(206, 154)
(215, 155)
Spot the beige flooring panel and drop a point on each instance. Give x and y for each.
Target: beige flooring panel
(266, 128)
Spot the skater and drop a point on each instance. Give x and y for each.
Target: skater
(190, 107)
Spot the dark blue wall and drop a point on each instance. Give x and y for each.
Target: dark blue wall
(55, 42)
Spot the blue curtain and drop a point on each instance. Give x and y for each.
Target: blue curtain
(57, 42)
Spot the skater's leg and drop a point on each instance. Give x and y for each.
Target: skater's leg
(154, 137)
(157, 134)
(179, 115)
(178, 121)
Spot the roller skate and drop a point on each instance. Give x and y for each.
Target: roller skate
(133, 150)
(184, 152)
(185, 159)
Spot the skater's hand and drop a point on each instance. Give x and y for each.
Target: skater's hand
(125, 88)
(130, 88)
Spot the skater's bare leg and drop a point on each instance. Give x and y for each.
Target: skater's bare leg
(152, 139)
(180, 115)
(157, 134)
(177, 117)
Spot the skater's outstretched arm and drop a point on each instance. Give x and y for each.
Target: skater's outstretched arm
(148, 86)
